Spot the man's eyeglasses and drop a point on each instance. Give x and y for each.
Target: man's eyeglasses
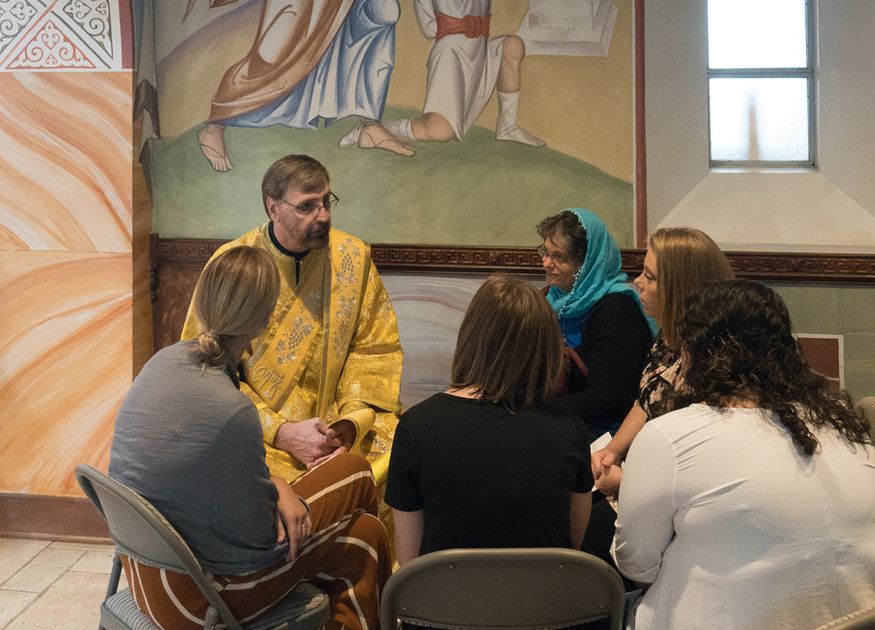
(561, 259)
(309, 207)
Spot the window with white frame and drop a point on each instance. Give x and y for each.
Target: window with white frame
(761, 82)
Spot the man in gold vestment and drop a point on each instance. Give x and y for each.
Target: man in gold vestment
(326, 373)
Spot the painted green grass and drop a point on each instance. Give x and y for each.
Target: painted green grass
(475, 192)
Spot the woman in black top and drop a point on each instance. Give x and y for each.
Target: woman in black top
(599, 314)
(491, 462)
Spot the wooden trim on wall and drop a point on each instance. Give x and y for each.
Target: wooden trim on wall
(43, 517)
(772, 266)
(794, 267)
(183, 251)
(192, 253)
(640, 185)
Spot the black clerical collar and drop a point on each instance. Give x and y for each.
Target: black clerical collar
(283, 250)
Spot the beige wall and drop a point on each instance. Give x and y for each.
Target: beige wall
(829, 208)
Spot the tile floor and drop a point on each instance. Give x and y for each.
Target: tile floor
(52, 585)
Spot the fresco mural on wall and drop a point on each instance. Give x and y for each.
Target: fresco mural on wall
(462, 73)
(372, 79)
(309, 62)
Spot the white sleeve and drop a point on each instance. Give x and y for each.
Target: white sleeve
(647, 506)
(424, 10)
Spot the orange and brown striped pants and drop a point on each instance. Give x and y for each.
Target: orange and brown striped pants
(347, 556)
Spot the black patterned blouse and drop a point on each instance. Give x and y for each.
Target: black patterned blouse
(661, 376)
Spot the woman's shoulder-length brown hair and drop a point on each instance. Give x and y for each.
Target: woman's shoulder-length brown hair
(509, 347)
(686, 259)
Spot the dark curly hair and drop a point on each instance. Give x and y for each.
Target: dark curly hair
(737, 344)
(565, 230)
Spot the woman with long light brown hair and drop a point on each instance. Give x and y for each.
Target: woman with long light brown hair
(679, 260)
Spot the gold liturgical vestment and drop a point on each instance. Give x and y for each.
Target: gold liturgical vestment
(331, 348)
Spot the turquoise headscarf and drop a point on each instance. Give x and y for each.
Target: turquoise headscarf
(598, 276)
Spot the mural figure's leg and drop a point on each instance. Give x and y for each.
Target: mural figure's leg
(432, 127)
(211, 140)
(507, 127)
(401, 129)
(377, 135)
(512, 54)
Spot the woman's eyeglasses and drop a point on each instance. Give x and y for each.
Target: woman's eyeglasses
(561, 259)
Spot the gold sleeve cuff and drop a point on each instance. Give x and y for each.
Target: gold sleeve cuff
(270, 425)
(363, 420)
(380, 468)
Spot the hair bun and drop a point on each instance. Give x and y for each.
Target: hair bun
(210, 345)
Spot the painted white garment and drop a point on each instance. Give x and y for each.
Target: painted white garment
(738, 529)
(462, 71)
(351, 78)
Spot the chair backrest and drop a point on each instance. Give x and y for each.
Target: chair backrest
(503, 588)
(141, 532)
(860, 620)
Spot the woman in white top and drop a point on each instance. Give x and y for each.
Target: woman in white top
(753, 507)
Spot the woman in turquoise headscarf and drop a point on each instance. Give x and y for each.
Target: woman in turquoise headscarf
(599, 314)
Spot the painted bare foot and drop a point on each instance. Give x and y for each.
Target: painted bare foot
(376, 136)
(518, 134)
(211, 140)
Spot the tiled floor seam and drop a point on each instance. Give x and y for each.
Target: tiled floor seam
(41, 593)
(52, 583)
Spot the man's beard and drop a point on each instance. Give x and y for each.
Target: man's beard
(318, 234)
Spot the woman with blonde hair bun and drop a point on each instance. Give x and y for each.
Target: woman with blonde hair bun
(189, 441)
(227, 314)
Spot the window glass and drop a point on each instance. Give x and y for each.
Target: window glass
(759, 119)
(757, 34)
(760, 83)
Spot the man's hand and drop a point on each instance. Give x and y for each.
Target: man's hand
(292, 518)
(338, 451)
(307, 440)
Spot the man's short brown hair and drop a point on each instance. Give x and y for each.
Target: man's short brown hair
(302, 172)
(510, 346)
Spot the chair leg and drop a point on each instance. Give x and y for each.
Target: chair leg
(211, 618)
(114, 575)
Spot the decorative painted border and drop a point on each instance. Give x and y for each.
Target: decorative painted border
(776, 266)
(65, 35)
